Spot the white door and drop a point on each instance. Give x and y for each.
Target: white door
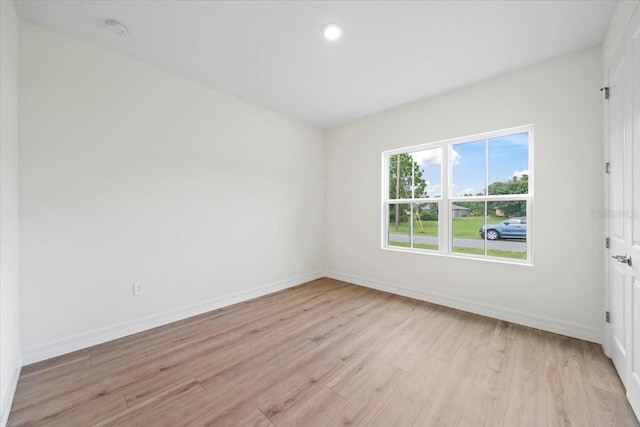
(624, 211)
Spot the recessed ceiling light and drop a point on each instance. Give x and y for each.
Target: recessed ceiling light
(116, 27)
(332, 32)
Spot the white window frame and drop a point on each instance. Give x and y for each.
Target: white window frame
(446, 200)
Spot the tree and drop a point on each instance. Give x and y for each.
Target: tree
(477, 208)
(405, 181)
(517, 185)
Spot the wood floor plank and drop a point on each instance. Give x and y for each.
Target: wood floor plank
(467, 331)
(35, 380)
(312, 371)
(249, 326)
(247, 371)
(487, 402)
(334, 350)
(166, 409)
(425, 335)
(566, 397)
(77, 388)
(526, 403)
(362, 406)
(63, 413)
(211, 373)
(64, 395)
(328, 353)
(246, 415)
(445, 407)
(510, 330)
(599, 370)
(316, 411)
(609, 409)
(56, 366)
(169, 371)
(414, 390)
(229, 350)
(361, 368)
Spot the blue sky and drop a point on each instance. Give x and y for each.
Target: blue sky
(508, 157)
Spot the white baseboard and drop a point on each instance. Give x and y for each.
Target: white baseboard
(7, 398)
(562, 327)
(88, 339)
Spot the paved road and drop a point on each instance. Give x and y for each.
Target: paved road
(502, 245)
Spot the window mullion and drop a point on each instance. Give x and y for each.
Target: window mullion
(443, 207)
(486, 214)
(486, 168)
(486, 193)
(411, 224)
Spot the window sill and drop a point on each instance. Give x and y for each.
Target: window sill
(528, 263)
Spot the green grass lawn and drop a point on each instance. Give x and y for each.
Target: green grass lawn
(469, 227)
(415, 245)
(491, 252)
(430, 228)
(462, 227)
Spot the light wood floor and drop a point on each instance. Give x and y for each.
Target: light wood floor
(328, 353)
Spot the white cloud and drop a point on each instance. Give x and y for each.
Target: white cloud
(518, 174)
(427, 157)
(433, 157)
(455, 157)
(468, 190)
(433, 190)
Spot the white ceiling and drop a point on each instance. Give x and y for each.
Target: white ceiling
(272, 53)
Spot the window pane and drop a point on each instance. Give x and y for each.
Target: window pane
(399, 226)
(425, 226)
(413, 226)
(467, 218)
(402, 169)
(509, 164)
(428, 174)
(468, 168)
(506, 229)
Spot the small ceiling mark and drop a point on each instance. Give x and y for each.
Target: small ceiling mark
(116, 27)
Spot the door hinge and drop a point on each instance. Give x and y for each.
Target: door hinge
(607, 242)
(606, 91)
(607, 167)
(607, 317)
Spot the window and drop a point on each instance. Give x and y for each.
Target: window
(470, 196)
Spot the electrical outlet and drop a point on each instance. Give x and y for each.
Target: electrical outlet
(137, 289)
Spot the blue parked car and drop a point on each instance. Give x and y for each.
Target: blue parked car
(513, 228)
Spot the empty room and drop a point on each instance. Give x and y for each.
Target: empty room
(320, 213)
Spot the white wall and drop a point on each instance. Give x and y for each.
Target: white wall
(9, 319)
(129, 173)
(563, 291)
